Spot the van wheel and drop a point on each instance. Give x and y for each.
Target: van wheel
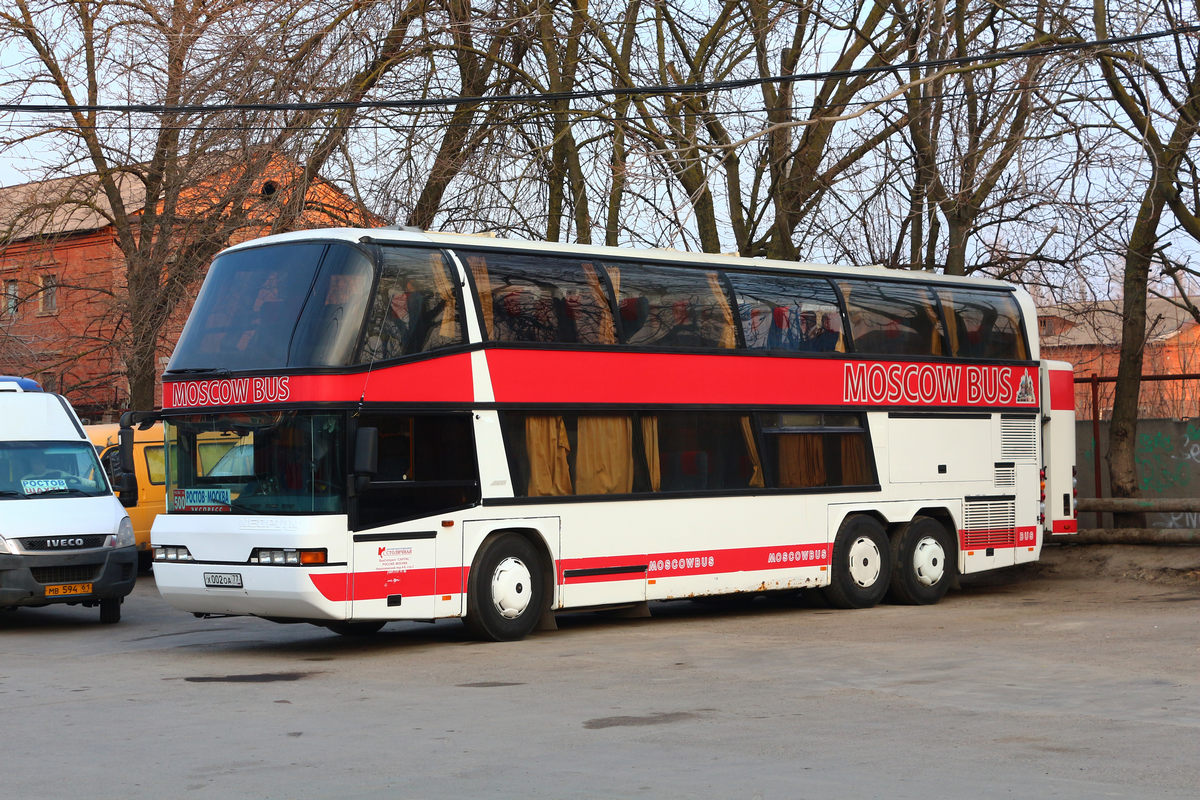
(923, 559)
(110, 610)
(861, 564)
(505, 595)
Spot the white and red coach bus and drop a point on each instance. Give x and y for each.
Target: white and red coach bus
(422, 426)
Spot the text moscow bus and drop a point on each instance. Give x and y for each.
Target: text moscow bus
(417, 426)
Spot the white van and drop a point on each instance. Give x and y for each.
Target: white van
(64, 537)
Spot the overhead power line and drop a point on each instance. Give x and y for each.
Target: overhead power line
(586, 94)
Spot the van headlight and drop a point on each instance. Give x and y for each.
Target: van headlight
(124, 537)
(4, 548)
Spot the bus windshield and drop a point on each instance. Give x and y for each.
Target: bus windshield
(273, 463)
(31, 470)
(299, 305)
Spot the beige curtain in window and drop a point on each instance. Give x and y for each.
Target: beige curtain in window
(445, 290)
(604, 455)
(483, 285)
(801, 460)
(547, 447)
(606, 331)
(855, 467)
(756, 476)
(951, 320)
(653, 456)
(728, 339)
(935, 343)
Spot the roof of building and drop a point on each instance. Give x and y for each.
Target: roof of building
(63, 205)
(1099, 322)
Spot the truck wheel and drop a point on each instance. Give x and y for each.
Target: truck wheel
(110, 610)
(861, 564)
(505, 595)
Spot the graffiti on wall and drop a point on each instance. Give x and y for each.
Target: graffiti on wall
(1168, 464)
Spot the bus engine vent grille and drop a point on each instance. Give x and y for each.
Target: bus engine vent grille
(1006, 475)
(990, 523)
(1018, 438)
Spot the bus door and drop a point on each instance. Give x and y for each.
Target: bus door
(395, 575)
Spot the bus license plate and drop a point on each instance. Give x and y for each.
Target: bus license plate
(223, 580)
(65, 589)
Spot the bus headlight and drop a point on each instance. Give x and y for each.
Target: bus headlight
(286, 556)
(168, 552)
(124, 536)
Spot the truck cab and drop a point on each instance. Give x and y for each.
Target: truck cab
(65, 539)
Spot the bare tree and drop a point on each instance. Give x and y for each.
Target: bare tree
(175, 186)
(1153, 95)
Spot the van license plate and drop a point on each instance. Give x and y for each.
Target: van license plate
(223, 580)
(65, 589)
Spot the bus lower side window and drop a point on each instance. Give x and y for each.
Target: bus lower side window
(812, 459)
(557, 455)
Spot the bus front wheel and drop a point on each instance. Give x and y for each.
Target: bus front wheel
(505, 595)
(861, 564)
(924, 562)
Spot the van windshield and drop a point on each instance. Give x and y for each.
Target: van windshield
(37, 470)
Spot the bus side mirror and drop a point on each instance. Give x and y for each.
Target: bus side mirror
(366, 457)
(125, 479)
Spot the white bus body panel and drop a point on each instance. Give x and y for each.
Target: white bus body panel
(225, 543)
(1058, 455)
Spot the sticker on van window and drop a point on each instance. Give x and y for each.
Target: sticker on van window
(201, 499)
(43, 485)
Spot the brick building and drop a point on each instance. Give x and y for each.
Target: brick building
(62, 274)
(1088, 335)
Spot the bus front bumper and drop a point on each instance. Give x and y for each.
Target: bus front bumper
(276, 592)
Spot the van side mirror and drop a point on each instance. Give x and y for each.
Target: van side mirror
(125, 477)
(366, 457)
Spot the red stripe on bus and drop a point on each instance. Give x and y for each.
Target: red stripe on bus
(1062, 390)
(436, 380)
(378, 584)
(998, 538)
(1066, 526)
(560, 376)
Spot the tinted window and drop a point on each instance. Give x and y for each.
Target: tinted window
(672, 307)
(983, 324)
(247, 308)
(536, 299)
(426, 466)
(805, 450)
(893, 319)
(781, 312)
(416, 306)
(327, 333)
(596, 454)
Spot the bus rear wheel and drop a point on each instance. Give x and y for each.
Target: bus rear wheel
(505, 596)
(923, 556)
(861, 564)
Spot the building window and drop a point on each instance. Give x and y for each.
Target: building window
(49, 296)
(11, 299)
